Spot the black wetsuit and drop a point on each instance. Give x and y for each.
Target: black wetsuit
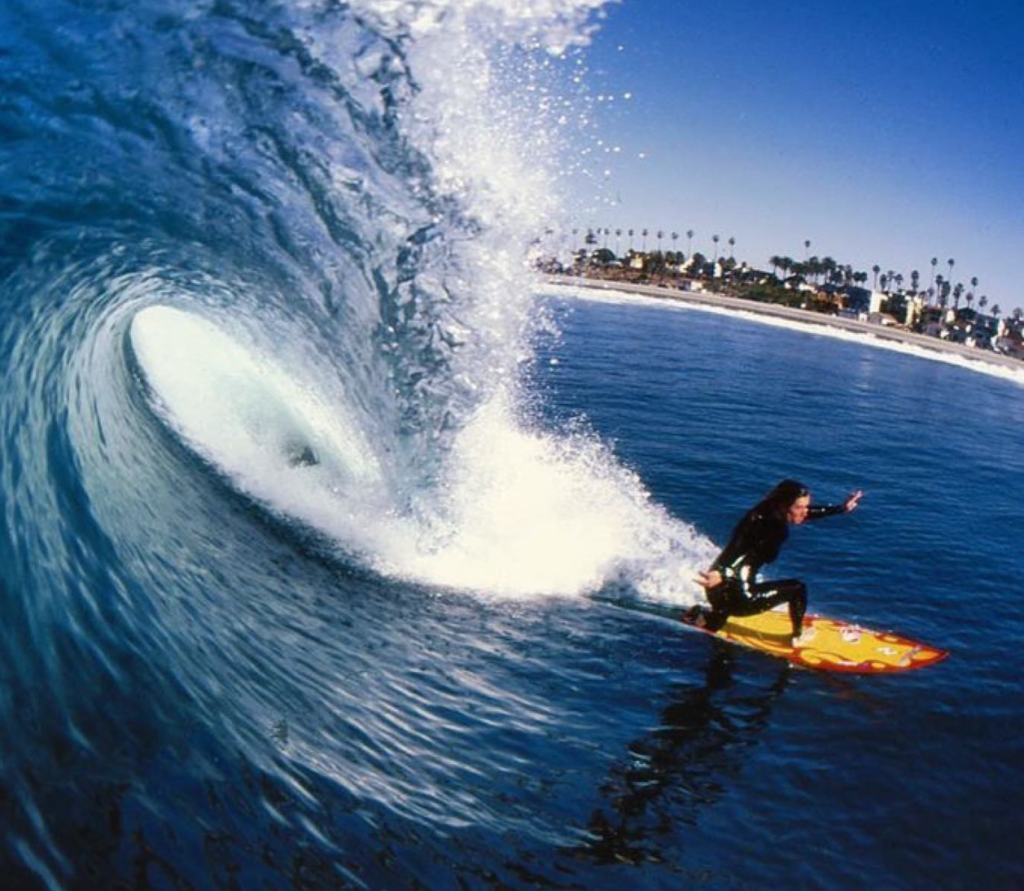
(755, 541)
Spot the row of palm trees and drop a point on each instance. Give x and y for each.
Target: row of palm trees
(941, 290)
(593, 235)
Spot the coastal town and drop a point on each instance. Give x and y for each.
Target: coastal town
(932, 304)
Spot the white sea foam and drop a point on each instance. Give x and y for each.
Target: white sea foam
(517, 512)
(630, 298)
(532, 512)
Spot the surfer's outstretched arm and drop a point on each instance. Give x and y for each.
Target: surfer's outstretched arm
(816, 512)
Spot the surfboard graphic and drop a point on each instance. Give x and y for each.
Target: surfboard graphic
(829, 644)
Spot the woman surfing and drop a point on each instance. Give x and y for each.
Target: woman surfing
(731, 583)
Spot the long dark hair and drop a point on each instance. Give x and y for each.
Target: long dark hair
(781, 498)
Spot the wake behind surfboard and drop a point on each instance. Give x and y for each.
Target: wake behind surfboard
(828, 644)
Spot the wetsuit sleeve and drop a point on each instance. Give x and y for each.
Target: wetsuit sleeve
(816, 512)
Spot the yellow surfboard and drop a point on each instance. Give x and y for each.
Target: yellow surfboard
(829, 644)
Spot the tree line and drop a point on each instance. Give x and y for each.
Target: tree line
(941, 291)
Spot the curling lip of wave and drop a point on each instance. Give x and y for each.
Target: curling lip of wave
(514, 512)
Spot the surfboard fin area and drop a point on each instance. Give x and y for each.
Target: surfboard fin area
(829, 644)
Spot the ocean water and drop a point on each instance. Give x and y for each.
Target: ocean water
(339, 553)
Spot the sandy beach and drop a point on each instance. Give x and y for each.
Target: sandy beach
(737, 304)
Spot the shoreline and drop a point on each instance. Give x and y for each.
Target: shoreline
(803, 316)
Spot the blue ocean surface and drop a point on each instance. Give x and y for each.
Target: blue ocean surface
(339, 553)
(900, 781)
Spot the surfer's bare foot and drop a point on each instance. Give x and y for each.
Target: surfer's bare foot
(695, 616)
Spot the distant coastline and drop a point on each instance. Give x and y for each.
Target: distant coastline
(802, 316)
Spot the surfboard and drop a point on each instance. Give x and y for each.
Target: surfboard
(828, 644)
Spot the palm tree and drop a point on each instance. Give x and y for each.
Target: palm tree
(660, 235)
(807, 249)
(732, 245)
(643, 232)
(915, 280)
(828, 268)
(996, 311)
(951, 263)
(776, 262)
(982, 302)
(631, 241)
(689, 243)
(935, 262)
(814, 268)
(714, 238)
(874, 282)
(618, 235)
(575, 232)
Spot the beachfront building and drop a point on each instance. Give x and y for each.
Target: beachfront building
(935, 320)
(1010, 337)
(904, 308)
(975, 329)
(853, 302)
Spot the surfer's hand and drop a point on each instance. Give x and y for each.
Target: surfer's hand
(852, 500)
(710, 579)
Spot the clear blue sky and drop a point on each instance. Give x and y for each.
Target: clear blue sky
(885, 131)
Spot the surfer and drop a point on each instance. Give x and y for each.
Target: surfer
(731, 583)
